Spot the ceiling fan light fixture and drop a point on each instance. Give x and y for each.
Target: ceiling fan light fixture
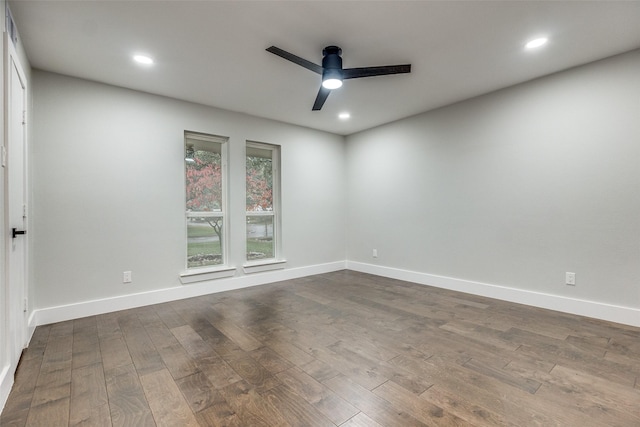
(331, 78)
(332, 71)
(331, 83)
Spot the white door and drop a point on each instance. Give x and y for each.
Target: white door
(16, 96)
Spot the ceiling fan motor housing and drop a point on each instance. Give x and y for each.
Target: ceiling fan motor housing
(331, 57)
(331, 63)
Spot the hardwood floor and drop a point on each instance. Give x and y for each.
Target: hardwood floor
(339, 349)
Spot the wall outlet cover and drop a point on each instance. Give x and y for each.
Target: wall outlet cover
(570, 279)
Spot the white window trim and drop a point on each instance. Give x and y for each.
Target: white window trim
(202, 274)
(278, 262)
(196, 274)
(266, 265)
(260, 213)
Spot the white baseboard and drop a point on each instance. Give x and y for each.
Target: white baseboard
(8, 371)
(6, 382)
(613, 313)
(62, 313)
(31, 326)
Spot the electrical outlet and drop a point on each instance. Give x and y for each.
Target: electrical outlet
(570, 278)
(375, 253)
(126, 277)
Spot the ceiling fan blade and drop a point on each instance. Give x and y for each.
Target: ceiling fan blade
(354, 73)
(323, 93)
(295, 59)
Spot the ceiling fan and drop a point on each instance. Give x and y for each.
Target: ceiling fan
(332, 71)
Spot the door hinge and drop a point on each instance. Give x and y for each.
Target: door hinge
(24, 308)
(24, 117)
(4, 156)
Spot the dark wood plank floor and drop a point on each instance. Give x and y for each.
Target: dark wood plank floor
(338, 349)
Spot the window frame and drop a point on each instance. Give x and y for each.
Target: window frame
(216, 270)
(277, 261)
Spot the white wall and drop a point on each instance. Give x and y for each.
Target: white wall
(512, 189)
(108, 183)
(499, 195)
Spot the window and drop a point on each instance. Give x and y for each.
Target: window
(262, 190)
(205, 178)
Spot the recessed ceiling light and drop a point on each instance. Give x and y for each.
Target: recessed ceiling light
(344, 116)
(532, 44)
(142, 59)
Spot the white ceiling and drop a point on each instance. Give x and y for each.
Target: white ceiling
(213, 52)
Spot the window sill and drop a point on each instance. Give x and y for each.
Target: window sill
(260, 266)
(207, 273)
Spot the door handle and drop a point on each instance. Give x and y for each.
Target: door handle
(15, 232)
